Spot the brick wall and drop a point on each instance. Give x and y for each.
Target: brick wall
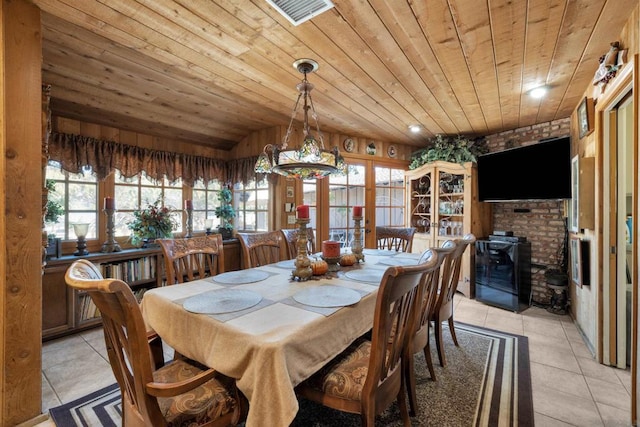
(541, 222)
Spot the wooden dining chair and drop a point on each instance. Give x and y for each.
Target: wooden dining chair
(367, 377)
(395, 238)
(291, 237)
(449, 277)
(419, 340)
(178, 393)
(91, 271)
(262, 248)
(192, 258)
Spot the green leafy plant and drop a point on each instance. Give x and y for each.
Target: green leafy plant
(54, 209)
(455, 149)
(225, 211)
(153, 222)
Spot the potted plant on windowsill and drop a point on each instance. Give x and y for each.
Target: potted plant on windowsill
(225, 212)
(54, 211)
(153, 222)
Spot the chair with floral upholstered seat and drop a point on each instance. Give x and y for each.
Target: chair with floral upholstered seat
(193, 258)
(180, 392)
(367, 377)
(262, 248)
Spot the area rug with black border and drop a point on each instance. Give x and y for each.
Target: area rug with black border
(487, 382)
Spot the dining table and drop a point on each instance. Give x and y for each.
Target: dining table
(266, 330)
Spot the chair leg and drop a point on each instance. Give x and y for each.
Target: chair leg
(440, 343)
(368, 417)
(427, 358)
(402, 404)
(410, 381)
(453, 331)
(157, 355)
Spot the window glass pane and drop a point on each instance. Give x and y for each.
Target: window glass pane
(251, 203)
(205, 201)
(126, 196)
(382, 176)
(138, 192)
(82, 196)
(262, 200)
(390, 192)
(76, 197)
(145, 180)
(173, 199)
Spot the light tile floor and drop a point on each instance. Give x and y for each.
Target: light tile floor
(569, 387)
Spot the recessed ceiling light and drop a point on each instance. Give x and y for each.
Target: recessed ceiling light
(415, 128)
(538, 92)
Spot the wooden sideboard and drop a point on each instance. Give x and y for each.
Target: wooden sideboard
(66, 311)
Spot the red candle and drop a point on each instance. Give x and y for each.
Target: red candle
(109, 203)
(303, 211)
(330, 249)
(357, 211)
(188, 204)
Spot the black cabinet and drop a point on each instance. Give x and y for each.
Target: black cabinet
(503, 273)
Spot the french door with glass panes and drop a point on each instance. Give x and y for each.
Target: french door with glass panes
(378, 187)
(344, 193)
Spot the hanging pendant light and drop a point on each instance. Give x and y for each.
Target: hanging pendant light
(311, 160)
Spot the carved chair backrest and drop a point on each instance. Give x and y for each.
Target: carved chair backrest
(395, 238)
(193, 258)
(262, 248)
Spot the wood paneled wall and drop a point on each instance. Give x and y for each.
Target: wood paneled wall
(21, 214)
(255, 143)
(64, 125)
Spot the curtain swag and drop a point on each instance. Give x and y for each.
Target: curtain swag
(74, 152)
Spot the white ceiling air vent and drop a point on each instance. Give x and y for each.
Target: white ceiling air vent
(299, 11)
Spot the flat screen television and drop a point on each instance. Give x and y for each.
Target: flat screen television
(541, 171)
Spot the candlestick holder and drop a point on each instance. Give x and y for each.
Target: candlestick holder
(356, 244)
(333, 263)
(189, 213)
(303, 264)
(110, 245)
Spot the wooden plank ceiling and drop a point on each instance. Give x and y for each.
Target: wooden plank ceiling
(214, 71)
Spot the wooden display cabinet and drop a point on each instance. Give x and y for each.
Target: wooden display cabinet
(442, 200)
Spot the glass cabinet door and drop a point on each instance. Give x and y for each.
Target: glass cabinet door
(450, 206)
(421, 203)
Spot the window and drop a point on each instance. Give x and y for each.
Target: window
(78, 196)
(134, 193)
(389, 197)
(205, 202)
(251, 203)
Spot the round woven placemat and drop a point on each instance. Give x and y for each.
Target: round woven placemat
(240, 277)
(222, 301)
(327, 296)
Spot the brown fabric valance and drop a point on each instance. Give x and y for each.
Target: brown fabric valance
(242, 171)
(74, 152)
